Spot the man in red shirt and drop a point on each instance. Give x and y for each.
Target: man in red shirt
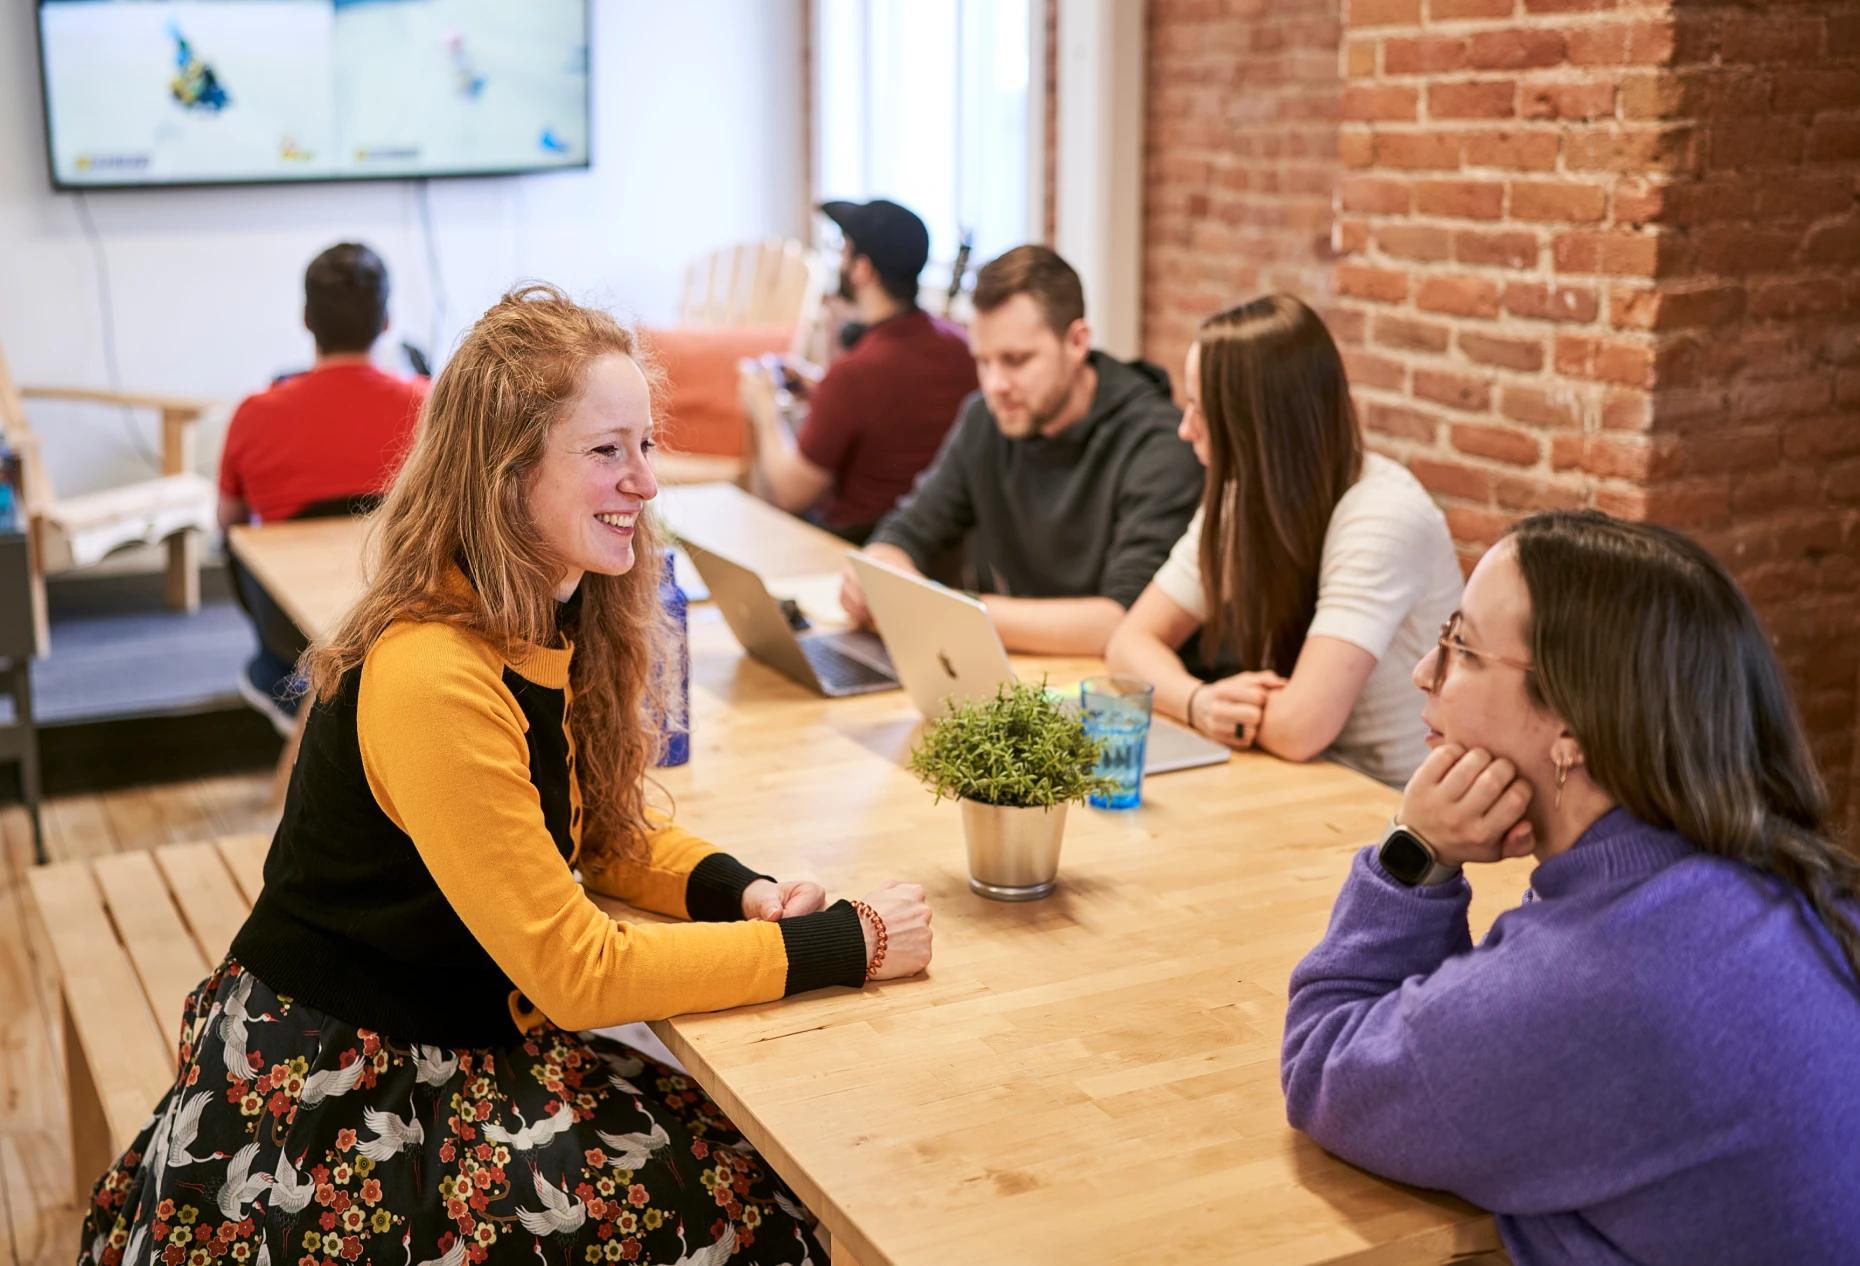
(329, 439)
(339, 430)
(879, 415)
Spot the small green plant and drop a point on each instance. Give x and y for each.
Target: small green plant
(1019, 749)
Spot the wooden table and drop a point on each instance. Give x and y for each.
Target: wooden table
(312, 568)
(1088, 1078)
(749, 531)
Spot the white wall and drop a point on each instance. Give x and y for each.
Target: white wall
(1098, 211)
(698, 142)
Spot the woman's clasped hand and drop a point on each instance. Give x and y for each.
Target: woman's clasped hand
(901, 906)
(1230, 710)
(906, 916)
(771, 902)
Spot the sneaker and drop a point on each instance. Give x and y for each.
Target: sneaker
(276, 700)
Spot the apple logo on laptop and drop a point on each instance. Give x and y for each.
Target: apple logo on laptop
(948, 667)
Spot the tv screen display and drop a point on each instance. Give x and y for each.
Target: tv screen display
(190, 92)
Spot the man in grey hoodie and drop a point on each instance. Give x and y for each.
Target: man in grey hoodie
(1065, 475)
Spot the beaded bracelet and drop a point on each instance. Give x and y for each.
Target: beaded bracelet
(878, 925)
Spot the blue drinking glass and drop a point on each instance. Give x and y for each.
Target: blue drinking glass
(1116, 711)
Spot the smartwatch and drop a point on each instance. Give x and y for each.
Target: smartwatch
(1411, 860)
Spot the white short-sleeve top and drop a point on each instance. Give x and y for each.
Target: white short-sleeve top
(1387, 581)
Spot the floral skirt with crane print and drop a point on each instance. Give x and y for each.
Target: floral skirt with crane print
(292, 1139)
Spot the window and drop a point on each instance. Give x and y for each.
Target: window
(926, 102)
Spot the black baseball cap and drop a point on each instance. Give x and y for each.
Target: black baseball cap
(889, 235)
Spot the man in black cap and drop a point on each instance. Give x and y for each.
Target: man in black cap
(880, 413)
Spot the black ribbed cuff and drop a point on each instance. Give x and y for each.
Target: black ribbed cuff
(824, 949)
(714, 889)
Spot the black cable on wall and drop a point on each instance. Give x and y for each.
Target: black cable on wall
(106, 309)
(435, 277)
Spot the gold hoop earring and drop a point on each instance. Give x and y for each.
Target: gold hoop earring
(1562, 775)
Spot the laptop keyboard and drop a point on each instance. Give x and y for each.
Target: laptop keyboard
(839, 671)
(866, 647)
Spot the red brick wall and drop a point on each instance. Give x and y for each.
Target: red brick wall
(1607, 259)
(1482, 218)
(1590, 253)
(1241, 157)
(1757, 328)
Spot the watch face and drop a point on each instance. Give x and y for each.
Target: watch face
(1405, 858)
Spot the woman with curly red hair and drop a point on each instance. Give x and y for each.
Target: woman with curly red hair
(388, 1066)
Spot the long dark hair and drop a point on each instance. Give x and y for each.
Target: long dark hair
(1652, 656)
(1283, 448)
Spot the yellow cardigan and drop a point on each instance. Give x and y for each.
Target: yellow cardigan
(467, 759)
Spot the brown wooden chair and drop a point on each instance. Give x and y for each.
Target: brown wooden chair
(68, 533)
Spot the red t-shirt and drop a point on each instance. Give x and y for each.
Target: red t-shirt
(337, 431)
(880, 414)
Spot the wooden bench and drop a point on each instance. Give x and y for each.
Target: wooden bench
(132, 934)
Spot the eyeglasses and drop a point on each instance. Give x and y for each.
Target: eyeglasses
(1450, 642)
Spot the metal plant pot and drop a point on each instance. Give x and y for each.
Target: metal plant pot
(1013, 853)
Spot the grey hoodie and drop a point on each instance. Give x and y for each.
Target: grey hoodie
(1092, 511)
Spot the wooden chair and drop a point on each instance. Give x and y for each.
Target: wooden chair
(771, 282)
(752, 287)
(74, 532)
(132, 934)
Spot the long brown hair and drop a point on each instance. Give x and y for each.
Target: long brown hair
(461, 501)
(1652, 656)
(1283, 448)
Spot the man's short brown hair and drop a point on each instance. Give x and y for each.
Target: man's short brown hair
(1036, 271)
(345, 298)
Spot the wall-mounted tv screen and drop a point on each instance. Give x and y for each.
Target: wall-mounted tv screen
(191, 92)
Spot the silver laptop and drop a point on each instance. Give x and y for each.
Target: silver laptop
(944, 646)
(852, 662)
(942, 643)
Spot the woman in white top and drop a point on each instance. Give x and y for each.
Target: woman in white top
(1315, 572)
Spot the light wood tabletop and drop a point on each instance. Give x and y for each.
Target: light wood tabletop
(725, 519)
(1091, 1077)
(311, 568)
(1088, 1078)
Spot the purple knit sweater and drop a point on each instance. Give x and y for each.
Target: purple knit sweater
(1656, 1062)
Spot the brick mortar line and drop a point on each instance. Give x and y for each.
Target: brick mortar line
(1683, 284)
(1693, 277)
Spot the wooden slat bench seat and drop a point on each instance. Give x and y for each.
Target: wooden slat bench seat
(131, 935)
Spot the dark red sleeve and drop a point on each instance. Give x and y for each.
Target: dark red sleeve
(834, 416)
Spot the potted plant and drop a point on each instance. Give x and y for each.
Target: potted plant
(1013, 763)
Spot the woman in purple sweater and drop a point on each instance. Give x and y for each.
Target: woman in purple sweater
(1656, 1058)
